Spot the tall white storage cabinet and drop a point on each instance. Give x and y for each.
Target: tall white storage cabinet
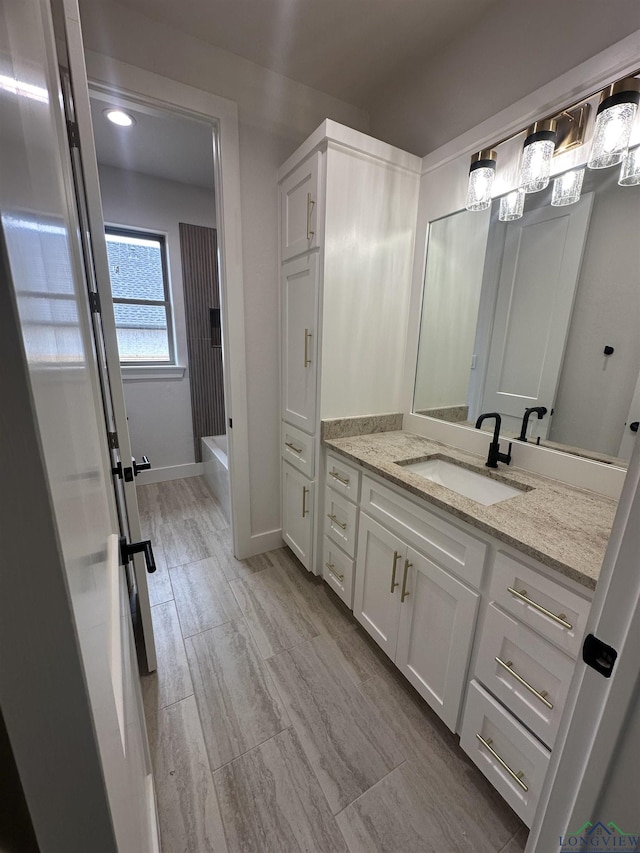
(348, 206)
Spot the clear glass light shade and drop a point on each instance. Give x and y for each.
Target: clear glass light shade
(630, 169)
(512, 206)
(480, 185)
(611, 136)
(567, 188)
(536, 165)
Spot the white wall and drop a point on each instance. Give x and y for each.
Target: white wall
(159, 410)
(275, 116)
(516, 48)
(595, 390)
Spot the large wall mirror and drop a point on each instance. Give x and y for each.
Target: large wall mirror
(543, 311)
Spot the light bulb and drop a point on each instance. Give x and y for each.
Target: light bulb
(537, 154)
(512, 206)
(119, 117)
(614, 123)
(630, 169)
(567, 188)
(481, 175)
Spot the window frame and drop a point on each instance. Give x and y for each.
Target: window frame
(142, 234)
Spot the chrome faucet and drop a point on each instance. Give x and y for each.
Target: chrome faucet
(541, 411)
(494, 448)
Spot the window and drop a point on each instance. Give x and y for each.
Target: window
(138, 271)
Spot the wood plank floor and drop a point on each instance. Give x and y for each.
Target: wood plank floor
(275, 722)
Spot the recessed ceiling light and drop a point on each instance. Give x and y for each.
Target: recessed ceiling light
(120, 118)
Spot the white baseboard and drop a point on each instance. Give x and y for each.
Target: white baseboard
(262, 542)
(171, 472)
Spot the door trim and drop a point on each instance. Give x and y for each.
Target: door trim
(148, 89)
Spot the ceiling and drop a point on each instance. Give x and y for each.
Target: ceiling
(345, 48)
(159, 144)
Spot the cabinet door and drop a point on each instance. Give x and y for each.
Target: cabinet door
(379, 566)
(299, 320)
(297, 513)
(300, 217)
(435, 635)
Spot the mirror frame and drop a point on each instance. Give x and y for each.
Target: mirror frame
(443, 189)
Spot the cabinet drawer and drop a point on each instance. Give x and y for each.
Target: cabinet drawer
(337, 570)
(342, 477)
(451, 547)
(340, 521)
(298, 449)
(524, 756)
(511, 657)
(555, 612)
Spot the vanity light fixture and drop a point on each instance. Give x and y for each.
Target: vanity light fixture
(537, 153)
(614, 122)
(512, 206)
(630, 169)
(567, 188)
(120, 118)
(481, 174)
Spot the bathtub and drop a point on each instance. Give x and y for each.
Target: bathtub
(216, 470)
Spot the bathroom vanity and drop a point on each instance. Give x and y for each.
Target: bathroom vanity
(481, 607)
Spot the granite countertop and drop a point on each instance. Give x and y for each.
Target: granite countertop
(561, 526)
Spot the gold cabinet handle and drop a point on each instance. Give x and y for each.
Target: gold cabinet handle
(396, 557)
(404, 593)
(310, 203)
(335, 521)
(293, 447)
(561, 618)
(542, 696)
(305, 491)
(332, 569)
(517, 777)
(336, 476)
(307, 335)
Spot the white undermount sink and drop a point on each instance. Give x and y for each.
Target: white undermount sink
(464, 482)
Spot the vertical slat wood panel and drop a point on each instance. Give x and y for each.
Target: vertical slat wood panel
(198, 249)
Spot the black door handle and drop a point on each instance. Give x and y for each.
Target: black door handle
(634, 426)
(140, 466)
(128, 549)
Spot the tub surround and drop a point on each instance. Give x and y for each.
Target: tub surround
(364, 425)
(561, 526)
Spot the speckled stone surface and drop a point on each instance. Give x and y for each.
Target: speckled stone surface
(561, 526)
(346, 427)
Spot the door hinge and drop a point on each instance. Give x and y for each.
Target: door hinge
(120, 472)
(72, 133)
(230, 423)
(94, 301)
(112, 438)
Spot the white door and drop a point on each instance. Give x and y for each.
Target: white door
(592, 783)
(379, 567)
(300, 345)
(43, 271)
(85, 170)
(299, 197)
(437, 621)
(533, 310)
(297, 513)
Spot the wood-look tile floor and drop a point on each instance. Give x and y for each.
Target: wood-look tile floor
(275, 722)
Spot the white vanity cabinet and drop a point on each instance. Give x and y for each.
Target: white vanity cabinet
(342, 489)
(348, 206)
(298, 500)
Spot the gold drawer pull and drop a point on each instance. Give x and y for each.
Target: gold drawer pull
(305, 491)
(335, 521)
(293, 447)
(517, 777)
(396, 557)
(336, 476)
(542, 696)
(307, 359)
(404, 593)
(561, 618)
(332, 569)
(310, 203)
